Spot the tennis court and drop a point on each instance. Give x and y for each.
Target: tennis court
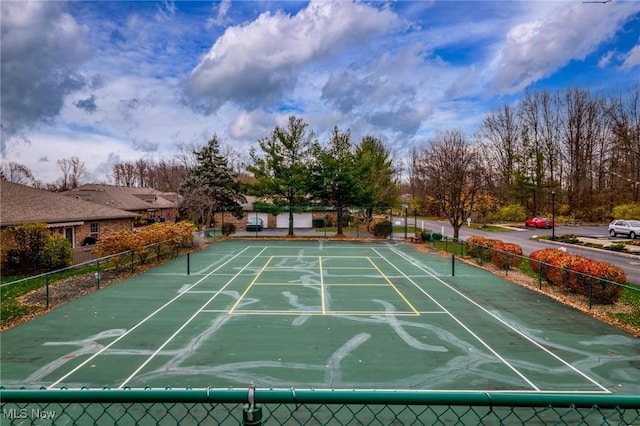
(320, 314)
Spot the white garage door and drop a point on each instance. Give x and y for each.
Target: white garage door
(300, 220)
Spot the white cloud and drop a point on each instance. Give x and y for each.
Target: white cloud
(537, 48)
(221, 15)
(632, 59)
(605, 60)
(254, 64)
(39, 68)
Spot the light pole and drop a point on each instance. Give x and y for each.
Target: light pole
(553, 215)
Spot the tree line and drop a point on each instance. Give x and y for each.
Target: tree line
(576, 148)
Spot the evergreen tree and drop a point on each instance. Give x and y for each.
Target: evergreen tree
(335, 176)
(281, 169)
(211, 185)
(375, 169)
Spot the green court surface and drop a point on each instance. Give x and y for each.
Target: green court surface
(320, 314)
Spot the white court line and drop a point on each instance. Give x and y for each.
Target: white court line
(323, 301)
(500, 320)
(166, 342)
(482, 342)
(104, 348)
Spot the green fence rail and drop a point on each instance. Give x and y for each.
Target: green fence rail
(594, 290)
(311, 407)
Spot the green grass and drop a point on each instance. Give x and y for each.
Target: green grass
(490, 228)
(631, 298)
(11, 309)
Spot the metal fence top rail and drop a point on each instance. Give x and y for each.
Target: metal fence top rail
(321, 396)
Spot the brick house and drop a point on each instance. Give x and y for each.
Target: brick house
(80, 222)
(148, 204)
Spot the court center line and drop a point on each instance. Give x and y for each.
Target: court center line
(482, 342)
(104, 348)
(500, 320)
(166, 342)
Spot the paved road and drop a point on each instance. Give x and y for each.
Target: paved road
(630, 264)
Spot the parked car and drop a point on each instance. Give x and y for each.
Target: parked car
(255, 224)
(538, 222)
(630, 228)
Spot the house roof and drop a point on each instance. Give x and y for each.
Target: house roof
(24, 204)
(125, 198)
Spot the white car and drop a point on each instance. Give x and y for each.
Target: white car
(630, 228)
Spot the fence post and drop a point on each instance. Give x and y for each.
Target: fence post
(188, 263)
(453, 265)
(406, 218)
(132, 261)
(98, 273)
(47, 292)
(446, 243)
(506, 263)
(539, 274)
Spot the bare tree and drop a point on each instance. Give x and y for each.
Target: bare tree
(73, 171)
(624, 114)
(501, 129)
(453, 175)
(17, 173)
(124, 174)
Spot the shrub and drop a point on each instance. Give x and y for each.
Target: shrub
(510, 213)
(228, 229)
(506, 253)
(540, 259)
(57, 253)
(594, 274)
(426, 236)
(568, 238)
(473, 243)
(559, 273)
(381, 229)
(318, 222)
(22, 246)
(627, 211)
(372, 223)
(617, 246)
(118, 242)
(436, 236)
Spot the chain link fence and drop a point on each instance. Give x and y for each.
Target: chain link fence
(53, 288)
(311, 407)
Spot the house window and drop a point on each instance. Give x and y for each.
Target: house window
(68, 234)
(95, 231)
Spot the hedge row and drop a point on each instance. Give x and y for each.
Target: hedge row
(495, 251)
(579, 274)
(179, 234)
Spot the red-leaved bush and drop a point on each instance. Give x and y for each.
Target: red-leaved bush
(506, 253)
(593, 277)
(579, 274)
(542, 258)
(480, 246)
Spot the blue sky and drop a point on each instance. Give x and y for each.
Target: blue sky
(119, 81)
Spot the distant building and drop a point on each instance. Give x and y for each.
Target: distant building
(79, 221)
(149, 204)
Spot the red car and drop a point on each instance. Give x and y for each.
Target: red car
(538, 222)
